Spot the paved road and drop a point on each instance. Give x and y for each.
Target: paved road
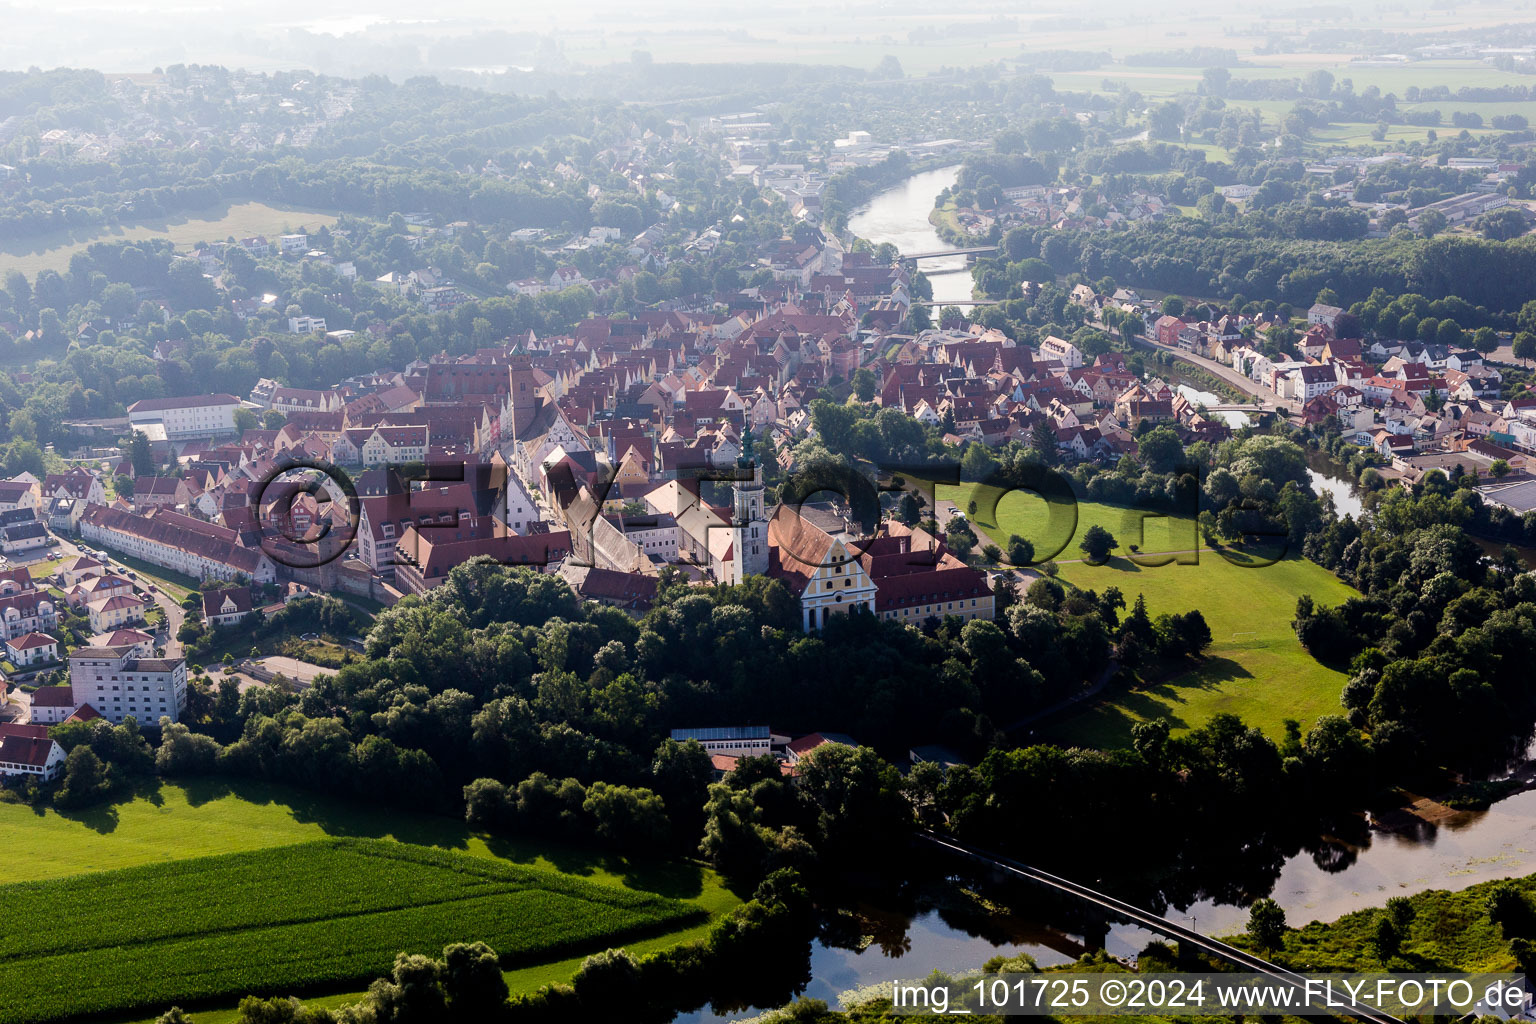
(1153, 922)
(174, 615)
(302, 673)
(1271, 401)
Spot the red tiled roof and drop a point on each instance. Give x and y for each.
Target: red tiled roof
(28, 751)
(53, 697)
(31, 641)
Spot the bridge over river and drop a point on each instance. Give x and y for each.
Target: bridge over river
(1153, 922)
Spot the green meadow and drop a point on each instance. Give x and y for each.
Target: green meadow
(239, 220)
(1255, 668)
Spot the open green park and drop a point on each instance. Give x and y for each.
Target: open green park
(217, 888)
(1255, 668)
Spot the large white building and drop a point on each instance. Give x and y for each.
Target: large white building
(192, 416)
(118, 683)
(174, 541)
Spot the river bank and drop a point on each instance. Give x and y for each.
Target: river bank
(899, 215)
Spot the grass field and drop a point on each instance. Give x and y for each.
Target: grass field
(43, 568)
(1163, 82)
(168, 823)
(1256, 668)
(175, 584)
(289, 918)
(53, 250)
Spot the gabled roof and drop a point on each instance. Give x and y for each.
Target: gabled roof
(32, 752)
(214, 600)
(53, 697)
(31, 641)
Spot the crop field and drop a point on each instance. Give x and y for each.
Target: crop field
(52, 251)
(287, 919)
(1255, 667)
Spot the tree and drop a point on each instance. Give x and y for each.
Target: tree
(86, 779)
(1165, 119)
(1499, 470)
(1386, 939)
(1097, 543)
(1266, 924)
(473, 982)
(1173, 305)
(734, 842)
(858, 797)
(1432, 222)
(245, 420)
(1509, 908)
(1502, 225)
(412, 994)
(1036, 271)
(1043, 440)
(627, 818)
(124, 486)
(1485, 340)
(1400, 910)
(1160, 449)
(609, 985)
(1524, 346)
(184, 752)
(865, 383)
(1020, 550)
(140, 456)
(1211, 205)
(681, 773)
(1193, 632)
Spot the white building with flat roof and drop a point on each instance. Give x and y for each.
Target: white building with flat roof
(189, 416)
(118, 683)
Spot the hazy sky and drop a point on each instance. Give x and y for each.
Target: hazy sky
(401, 38)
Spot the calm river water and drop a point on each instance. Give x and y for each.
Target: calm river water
(899, 215)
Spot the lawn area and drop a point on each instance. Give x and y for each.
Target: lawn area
(291, 918)
(46, 567)
(1256, 668)
(166, 822)
(53, 250)
(175, 585)
(1056, 529)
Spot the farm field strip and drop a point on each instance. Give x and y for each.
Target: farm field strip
(287, 919)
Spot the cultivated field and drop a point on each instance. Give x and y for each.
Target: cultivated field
(169, 824)
(1255, 668)
(288, 919)
(53, 250)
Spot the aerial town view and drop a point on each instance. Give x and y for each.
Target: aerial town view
(789, 514)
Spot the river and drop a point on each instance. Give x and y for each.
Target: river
(1345, 501)
(899, 215)
(1453, 851)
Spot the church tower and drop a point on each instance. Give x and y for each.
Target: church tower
(749, 521)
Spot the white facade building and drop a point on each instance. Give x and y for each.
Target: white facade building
(118, 683)
(192, 416)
